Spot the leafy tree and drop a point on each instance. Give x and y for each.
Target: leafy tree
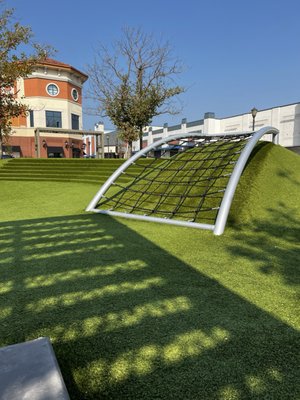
(14, 64)
(134, 82)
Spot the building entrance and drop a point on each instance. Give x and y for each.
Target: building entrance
(76, 153)
(55, 152)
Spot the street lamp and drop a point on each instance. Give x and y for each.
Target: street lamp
(253, 113)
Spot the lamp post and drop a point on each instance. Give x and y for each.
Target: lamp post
(107, 138)
(253, 113)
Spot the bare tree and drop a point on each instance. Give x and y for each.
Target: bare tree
(14, 64)
(134, 82)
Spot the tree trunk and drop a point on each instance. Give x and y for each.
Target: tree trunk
(128, 152)
(141, 138)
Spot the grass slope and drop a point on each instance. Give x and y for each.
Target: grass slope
(61, 170)
(142, 311)
(271, 179)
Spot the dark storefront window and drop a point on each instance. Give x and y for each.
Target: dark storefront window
(55, 152)
(75, 121)
(53, 119)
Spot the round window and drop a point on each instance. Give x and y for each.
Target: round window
(52, 89)
(75, 94)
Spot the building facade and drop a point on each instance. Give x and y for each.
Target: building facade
(53, 125)
(93, 143)
(285, 118)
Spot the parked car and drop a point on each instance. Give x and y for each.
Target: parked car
(7, 156)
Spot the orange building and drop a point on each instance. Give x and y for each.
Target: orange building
(53, 125)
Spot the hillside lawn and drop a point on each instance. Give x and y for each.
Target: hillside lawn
(137, 310)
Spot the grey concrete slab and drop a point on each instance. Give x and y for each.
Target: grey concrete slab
(29, 371)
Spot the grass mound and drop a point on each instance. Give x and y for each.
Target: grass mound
(271, 178)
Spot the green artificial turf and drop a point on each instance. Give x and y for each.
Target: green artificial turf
(61, 170)
(138, 310)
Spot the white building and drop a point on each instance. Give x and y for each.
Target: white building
(286, 118)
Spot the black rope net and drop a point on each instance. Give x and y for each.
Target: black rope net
(184, 179)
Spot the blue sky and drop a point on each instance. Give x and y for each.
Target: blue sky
(237, 54)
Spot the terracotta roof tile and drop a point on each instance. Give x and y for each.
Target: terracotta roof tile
(55, 62)
(52, 62)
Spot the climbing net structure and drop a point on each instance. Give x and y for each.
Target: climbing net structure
(180, 180)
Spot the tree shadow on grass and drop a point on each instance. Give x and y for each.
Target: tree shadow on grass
(273, 244)
(130, 321)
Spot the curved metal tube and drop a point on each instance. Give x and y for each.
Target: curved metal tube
(235, 177)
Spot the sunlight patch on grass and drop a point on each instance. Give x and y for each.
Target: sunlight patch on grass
(5, 241)
(114, 320)
(60, 234)
(117, 320)
(186, 345)
(7, 260)
(63, 222)
(275, 374)
(260, 383)
(6, 287)
(52, 279)
(5, 312)
(84, 250)
(142, 361)
(41, 246)
(70, 299)
(256, 384)
(6, 250)
(56, 227)
(4, 229)
(229, 393)
(138, 362)
(4, 235)
(192, 344)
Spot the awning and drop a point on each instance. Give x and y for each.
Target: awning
(54, 149)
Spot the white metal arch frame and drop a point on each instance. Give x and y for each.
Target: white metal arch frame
(220, 222)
